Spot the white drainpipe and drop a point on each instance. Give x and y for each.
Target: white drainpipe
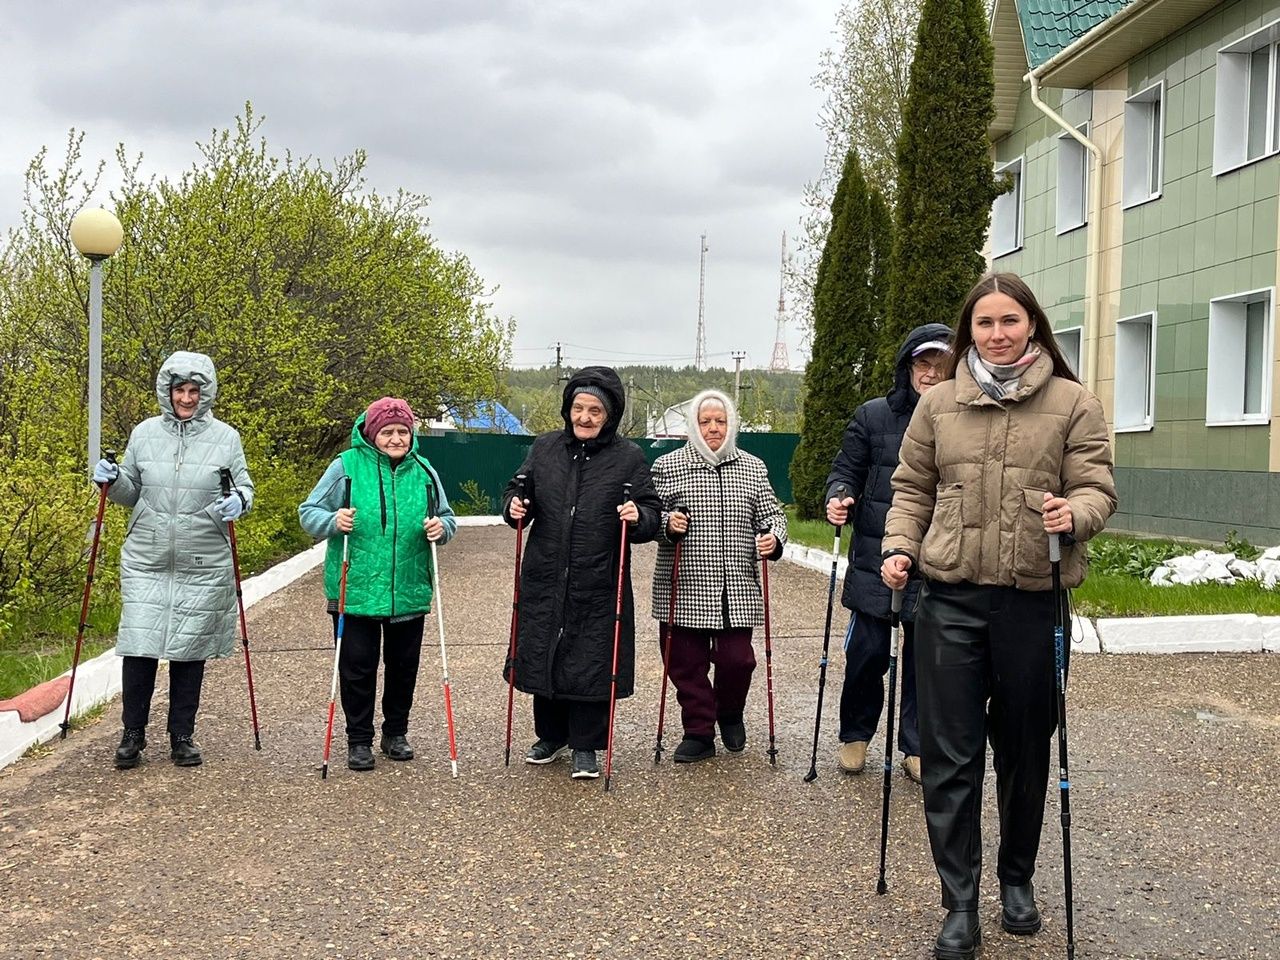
(1093, 268)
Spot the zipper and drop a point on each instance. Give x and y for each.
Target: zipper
(395, 527)
(566, 544)
(724, 571)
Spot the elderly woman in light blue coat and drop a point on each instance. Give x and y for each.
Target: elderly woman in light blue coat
(176, 580)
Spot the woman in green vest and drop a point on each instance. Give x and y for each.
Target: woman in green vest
(397, 508)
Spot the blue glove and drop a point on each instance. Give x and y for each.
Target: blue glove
(105, 471)
(230, 507)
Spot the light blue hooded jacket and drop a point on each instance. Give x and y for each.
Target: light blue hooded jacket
(176, 579)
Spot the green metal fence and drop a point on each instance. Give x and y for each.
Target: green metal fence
(490, 460)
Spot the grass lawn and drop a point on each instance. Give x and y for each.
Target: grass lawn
(39, 650)
(1109, 592)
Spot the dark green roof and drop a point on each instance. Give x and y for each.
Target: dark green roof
(1050, 26)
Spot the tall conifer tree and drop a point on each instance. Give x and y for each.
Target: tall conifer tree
(945, 179)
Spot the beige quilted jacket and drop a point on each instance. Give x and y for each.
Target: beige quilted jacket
(973, 472)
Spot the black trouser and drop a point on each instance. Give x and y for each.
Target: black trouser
(582, 724)
(866, 659)
(138, 685)
(984, 668)
(400, 646)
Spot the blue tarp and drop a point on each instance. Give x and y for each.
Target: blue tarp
(489, 417)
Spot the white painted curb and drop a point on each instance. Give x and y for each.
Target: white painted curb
(1230, 633)
(98, 680)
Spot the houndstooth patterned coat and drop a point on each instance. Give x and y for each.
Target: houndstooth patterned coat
(719, 584)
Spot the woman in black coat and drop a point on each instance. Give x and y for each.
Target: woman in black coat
(573, 505)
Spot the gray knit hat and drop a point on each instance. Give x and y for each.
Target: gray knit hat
(599, 395)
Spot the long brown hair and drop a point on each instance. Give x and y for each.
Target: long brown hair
(1011, 285)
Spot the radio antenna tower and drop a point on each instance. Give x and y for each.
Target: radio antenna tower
(700, 353)
(780, 363)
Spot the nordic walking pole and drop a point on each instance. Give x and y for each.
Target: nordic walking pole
(768, 648)
(671, 623)
(444, 655)
(224, 479)
(1064, 781)
(337, 645)
(840, 493)
(515, 618)
(895, 646)
(84, 601)
(617, 639)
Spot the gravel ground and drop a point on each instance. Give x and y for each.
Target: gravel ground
(1176, 818)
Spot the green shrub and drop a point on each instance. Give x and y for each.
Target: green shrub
(475, 503)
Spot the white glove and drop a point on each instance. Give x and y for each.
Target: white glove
(230, 507)
(105, 471)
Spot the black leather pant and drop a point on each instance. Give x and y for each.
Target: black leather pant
(984, 669)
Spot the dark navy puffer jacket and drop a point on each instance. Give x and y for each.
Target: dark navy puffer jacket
(865, 464)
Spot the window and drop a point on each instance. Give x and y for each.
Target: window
(1143, 145)
(1135, 373)
(1247, 107)
(1069, 341)
(1006, 212)
(1073, 181)
(1240, 339)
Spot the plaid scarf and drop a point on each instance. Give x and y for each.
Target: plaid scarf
(1000, 380)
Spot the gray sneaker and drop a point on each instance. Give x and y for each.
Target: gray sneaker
(544, 751)
(584, 765)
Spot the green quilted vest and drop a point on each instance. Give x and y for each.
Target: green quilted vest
(390, 573)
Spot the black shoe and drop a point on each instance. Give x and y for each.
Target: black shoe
(544, 751)
(733, 734)
(960, 937)
(397, 747)
(584, 765)
(1020, 915)
(184, 752)
(132, 743)
(693, 749)
(359, 756)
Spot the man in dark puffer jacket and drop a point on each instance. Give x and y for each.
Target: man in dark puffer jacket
(573, 506)
(865, 465)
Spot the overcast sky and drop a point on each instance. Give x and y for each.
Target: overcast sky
(573, 150)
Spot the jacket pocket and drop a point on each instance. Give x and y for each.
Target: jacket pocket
(941, 547)
(1031, 543)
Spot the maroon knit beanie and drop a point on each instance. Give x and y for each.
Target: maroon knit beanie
(386, 411)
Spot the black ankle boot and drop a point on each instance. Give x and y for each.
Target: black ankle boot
(693, 749)
(1019, 915)
(184, 752)
(733, 734)
(960, 937)
(396, 747)
(359, 756)
(132, 743)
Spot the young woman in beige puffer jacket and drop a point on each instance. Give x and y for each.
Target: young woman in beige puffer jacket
(1006, 451)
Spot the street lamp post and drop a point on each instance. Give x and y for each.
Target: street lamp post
(97, 234)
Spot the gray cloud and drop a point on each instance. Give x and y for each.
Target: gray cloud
(574, 150)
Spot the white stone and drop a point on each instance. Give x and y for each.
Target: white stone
(1270, 634)
(1231, 633)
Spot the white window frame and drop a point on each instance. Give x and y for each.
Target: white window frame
(1019, 196)
(1064, 332)
(1073, 181)
(1231, 100)
(1140, 148)
(1140, 395)
(1228, 361)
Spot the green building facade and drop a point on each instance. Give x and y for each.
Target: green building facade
(1162, 285)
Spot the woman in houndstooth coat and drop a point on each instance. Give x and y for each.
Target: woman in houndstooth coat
(728, 498)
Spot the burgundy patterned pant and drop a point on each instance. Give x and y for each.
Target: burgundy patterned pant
(702, 700)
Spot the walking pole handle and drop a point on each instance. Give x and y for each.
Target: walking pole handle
(895, 602)
(840, 492)
(224, 480)
(1055, 548)
(520, 480)
(346, 493)
(682, 509)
